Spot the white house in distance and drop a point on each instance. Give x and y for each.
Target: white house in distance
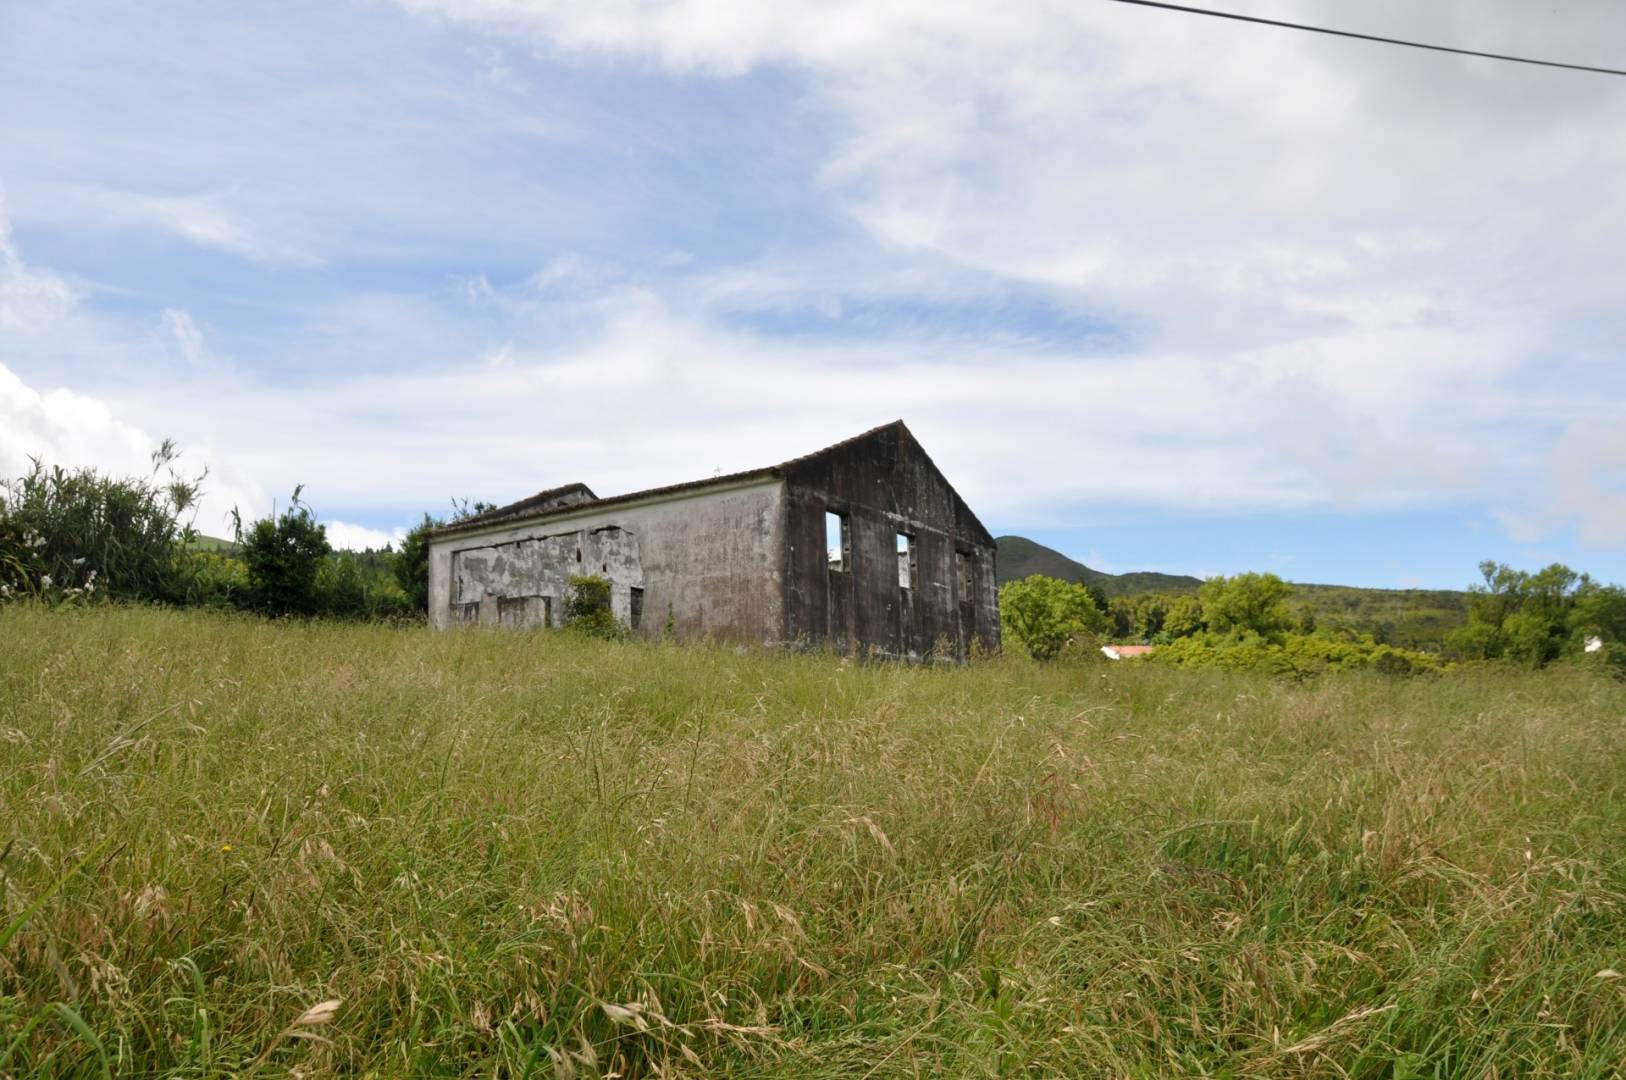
(1125, 652)
(1594, 644)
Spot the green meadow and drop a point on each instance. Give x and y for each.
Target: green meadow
(241, 847)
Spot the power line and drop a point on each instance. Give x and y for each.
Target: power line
(1367, 37)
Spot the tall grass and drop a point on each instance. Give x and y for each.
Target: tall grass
(234, 846)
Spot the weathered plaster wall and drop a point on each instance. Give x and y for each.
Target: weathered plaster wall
(712, 559)
(540, 568)
(886, 484)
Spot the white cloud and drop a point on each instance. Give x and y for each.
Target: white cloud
(1584, 487)
(347, 537)
(28, 299)
(1343, 268)
(207, 219)
(188, 338)
(62, 427)
(1332, 275)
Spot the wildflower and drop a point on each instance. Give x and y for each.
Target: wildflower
(45, 581)
(225, 848)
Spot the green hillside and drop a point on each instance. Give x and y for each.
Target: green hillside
(201, 542)
(1020, 557)
(1414, 618)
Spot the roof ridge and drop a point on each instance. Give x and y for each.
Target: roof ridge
(515, 511)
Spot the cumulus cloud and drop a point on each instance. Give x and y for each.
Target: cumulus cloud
(1340, 269)
(1160, 260)
(60, 426)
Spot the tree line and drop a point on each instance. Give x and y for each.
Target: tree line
(76, 536)
(1245, 622)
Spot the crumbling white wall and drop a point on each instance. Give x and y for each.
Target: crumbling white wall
(710, 561)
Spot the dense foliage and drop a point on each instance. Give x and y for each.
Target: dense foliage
(75, 534)
(587, 608)
(1044, 615)
(1297, 655)
(531, 854)
(283, 555)
(1535, 618)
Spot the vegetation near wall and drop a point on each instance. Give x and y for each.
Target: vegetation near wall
(587, 608)
(539, 854)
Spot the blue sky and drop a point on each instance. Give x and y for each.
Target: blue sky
(1164, 293)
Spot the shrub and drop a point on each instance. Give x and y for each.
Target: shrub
(1296, 655)
(361, 586)
(283, 555)
(587, 608)
(77, 533)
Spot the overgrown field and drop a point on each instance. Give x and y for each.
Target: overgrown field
(512, 854)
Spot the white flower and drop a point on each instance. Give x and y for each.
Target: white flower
(45, 581)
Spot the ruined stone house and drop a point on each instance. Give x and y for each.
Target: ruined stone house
(863, 545)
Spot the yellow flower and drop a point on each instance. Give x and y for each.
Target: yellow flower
(225, 847)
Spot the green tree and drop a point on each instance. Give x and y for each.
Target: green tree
(1043, 614)
(411, 564)
(1247, 602)
(1534, 618)
(283, 555)
(1598, 611)
(1184, 618)
(1121, 615)
(1150, 611)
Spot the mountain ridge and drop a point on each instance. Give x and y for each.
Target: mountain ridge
(1020, 557)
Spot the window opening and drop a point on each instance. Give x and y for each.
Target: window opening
(635, 611)
(511, 610)
(908, 568)
(469, 614)
(967, 578)
(547, 611)
(838, 540)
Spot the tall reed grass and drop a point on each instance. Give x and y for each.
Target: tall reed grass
(240, 847)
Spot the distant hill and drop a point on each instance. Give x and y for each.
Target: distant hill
(1416, 618)
(201, 542)
(1020, 557)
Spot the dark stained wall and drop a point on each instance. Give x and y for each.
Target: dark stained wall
(885, 484)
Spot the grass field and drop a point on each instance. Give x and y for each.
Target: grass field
(509, 855)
